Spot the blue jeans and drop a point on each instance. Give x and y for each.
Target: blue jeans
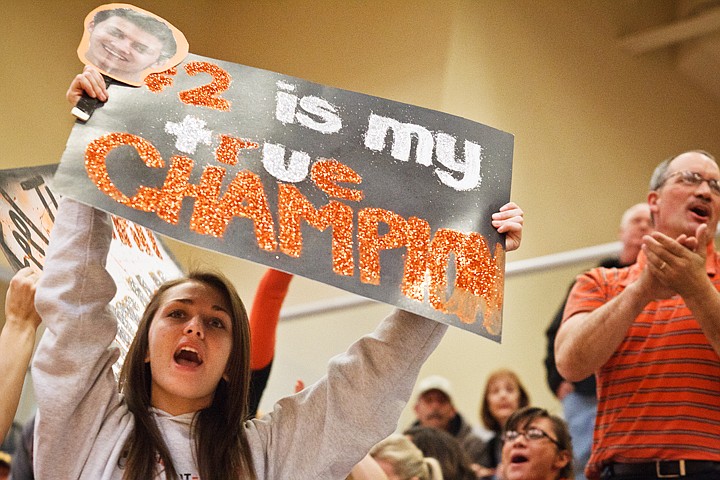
(580, 413)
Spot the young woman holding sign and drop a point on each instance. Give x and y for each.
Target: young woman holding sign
(179, 410)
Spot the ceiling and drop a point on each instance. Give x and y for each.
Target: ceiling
(693, 37)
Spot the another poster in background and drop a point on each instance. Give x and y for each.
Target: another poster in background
(138, 261)
(383, 199)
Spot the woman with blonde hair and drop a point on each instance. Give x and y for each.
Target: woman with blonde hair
(400, 459)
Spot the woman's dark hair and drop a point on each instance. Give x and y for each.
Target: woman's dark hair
(220, 443)
(488, 420)
(442, 446)
(523, 417)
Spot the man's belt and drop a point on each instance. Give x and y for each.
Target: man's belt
(660, 469)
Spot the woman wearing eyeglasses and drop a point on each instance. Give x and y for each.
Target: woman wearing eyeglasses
(536, 446)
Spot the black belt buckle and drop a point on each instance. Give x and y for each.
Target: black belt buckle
(660, 474)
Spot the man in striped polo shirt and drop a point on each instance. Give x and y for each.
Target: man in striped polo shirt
(651, 335)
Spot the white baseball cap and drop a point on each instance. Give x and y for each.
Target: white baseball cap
(435, 382)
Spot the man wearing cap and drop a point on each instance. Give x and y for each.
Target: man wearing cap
(434, 408)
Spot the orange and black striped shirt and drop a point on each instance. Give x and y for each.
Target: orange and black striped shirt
(659, 394)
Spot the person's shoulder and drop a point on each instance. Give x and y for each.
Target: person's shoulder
(611, 262)
(483, 433)
(463, 425)
(610, 275)
(467, 434)
(715, 254)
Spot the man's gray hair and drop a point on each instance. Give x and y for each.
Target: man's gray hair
(659, 175)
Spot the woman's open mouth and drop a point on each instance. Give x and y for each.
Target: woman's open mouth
(187, 357)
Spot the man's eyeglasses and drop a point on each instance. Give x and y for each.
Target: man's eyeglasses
(531, 434)
(694, 179)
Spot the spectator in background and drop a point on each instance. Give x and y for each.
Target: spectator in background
(439, 444)
(536, 446)
(579, 399)
(5, 465)
(434, 408)
(12, 438)
(651, 334)
(17, 341)
(503, 395)
(400, 459)
(263, 318)
(367, 469)
(22, 465)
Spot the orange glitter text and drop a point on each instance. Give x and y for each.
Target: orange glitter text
(478, 283)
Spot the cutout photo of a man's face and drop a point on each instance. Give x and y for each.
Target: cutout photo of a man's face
(127, 43)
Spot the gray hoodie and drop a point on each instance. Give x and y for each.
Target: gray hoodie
(83, 422)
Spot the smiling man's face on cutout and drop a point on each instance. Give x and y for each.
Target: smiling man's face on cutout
(122, 49)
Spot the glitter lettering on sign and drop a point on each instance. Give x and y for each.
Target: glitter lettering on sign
(314, 112)
(211, 215)
(371, 242)
(325, 176)
(326, 173)
(229, 148)
(293, 206)
(295, 170)
(96, 154)
(413, 234)
(189, 133)
(416, 258)
(156, 82)
(207, 95)
(245, 197)
(478, 282)
(403, 135)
